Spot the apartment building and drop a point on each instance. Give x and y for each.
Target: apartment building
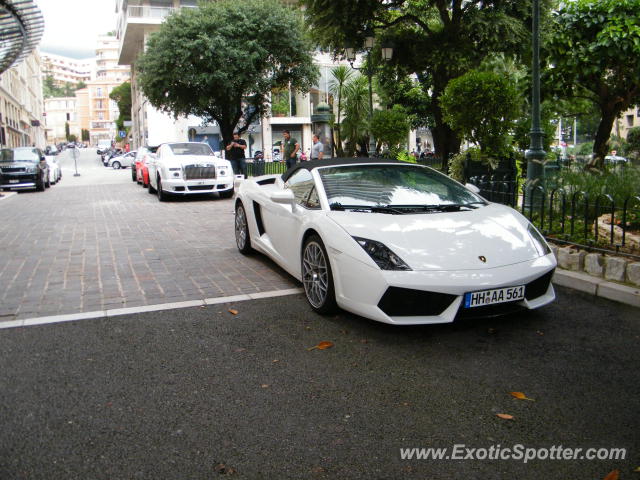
(67, 70)
(137, 19)
(102, 111)
(628, 120)
(60, 112)
(21, 104)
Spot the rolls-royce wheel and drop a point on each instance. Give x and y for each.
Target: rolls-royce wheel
(226, 193)
(162, 195)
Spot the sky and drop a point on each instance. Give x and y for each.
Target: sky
(71, 27)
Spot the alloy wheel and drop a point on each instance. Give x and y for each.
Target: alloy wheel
(315, 275)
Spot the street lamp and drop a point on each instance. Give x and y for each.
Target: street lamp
(387, 53)
(535, 155)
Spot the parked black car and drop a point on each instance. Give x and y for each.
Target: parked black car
(22, 168)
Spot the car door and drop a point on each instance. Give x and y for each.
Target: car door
(283, 223)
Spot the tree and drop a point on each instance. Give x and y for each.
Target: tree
(595, 54)
(354, 126)
(482, 108)
(390, 127)
(434, 42)
(67, 131)
(341, 76)
(86, 136)
(122, 96)
(222, 60)
(633, 141)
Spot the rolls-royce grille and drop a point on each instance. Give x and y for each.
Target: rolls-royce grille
(197, 172)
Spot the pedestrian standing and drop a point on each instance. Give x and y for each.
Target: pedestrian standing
(317, 149)
(235, 154)
(290, 147)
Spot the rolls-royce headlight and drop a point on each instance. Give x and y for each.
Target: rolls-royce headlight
(538, 240)
(382, 255)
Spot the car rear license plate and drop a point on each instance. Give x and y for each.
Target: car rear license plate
(14, 181)
(491, 297)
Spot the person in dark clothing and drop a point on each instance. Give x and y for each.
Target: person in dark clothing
(235, 154)
(290, 147)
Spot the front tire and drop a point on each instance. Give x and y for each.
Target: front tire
(226, 193)
(243, 239)
(162, 196)
(151, 189)
(116, 165)
(317, 277)
(133, 174)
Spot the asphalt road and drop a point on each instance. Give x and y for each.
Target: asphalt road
(198, 393)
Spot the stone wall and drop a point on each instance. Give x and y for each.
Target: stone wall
(609, 267)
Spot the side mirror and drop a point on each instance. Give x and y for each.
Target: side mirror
(472, 187)
(284, 197)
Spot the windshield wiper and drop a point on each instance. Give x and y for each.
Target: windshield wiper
(367, 208)
(443, 207)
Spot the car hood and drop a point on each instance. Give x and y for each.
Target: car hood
(447, 241)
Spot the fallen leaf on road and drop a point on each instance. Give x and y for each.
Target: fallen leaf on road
(240, 350)
(233, 312)
(275, 360)
(491, 331)
(504, 416)
(364, 340)
(540, 333)
(521, 396)
(613, 475)
(321, 346)
(265, 385)
(318, 470)
(223, 469)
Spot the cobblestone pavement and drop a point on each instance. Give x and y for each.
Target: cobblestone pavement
(100, 241)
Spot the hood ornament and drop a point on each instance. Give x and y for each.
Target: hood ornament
(483, 259)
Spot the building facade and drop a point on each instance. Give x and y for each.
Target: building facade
(65, 69)
(103, 111)
(628, 120)
(61, 111)
(21, 104)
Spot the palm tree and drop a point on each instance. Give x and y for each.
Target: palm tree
(355, 125)
(341, 77)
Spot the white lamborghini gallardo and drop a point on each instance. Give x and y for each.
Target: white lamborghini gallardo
(395, 242)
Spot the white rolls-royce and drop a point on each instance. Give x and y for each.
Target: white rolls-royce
(189, 168)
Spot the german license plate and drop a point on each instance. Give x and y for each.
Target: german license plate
(491, 297)
(14, 181)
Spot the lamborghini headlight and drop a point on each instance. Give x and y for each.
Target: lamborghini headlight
(382, 255)
(538, 240)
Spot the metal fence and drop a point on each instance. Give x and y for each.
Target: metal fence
(255, 168)
(593, 222)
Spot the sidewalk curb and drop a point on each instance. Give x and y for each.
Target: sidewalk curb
(598, 287)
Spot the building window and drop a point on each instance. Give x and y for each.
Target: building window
(629, 120)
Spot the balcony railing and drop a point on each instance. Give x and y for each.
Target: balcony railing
(146, 12)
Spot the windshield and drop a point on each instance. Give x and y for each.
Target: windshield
(402, 187)
(191, 149)
(19, 155)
